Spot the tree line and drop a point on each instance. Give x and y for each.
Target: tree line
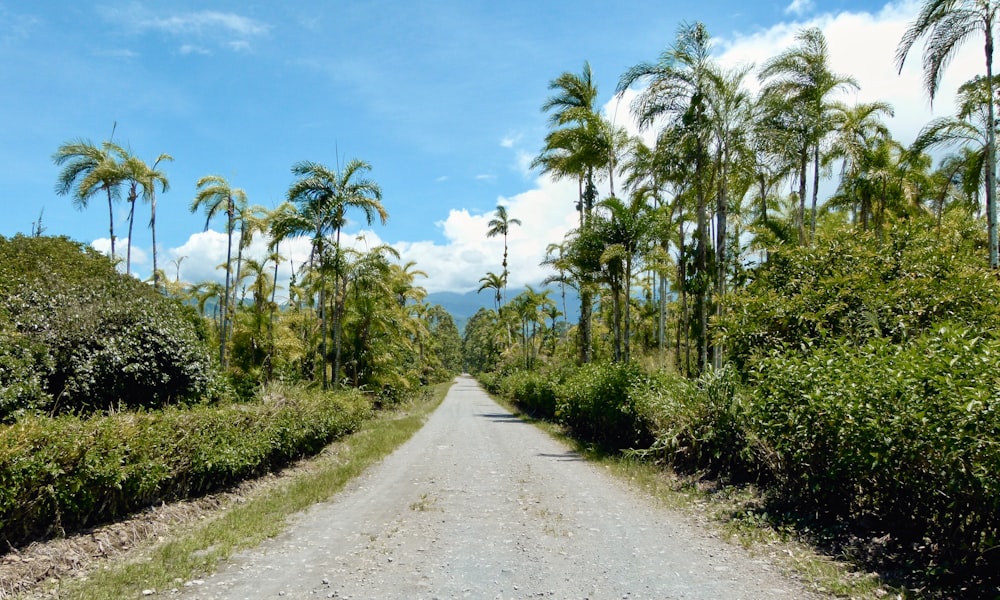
(687, 217)
(352, 317)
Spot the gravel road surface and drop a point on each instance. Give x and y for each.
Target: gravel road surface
(480, 505)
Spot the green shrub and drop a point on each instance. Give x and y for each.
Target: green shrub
(853, 288)
(97, 339)
(533, 391)
(909, 435)
(59, 475)
(596, 405)
(698, 425)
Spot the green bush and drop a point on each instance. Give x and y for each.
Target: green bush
(97, 339)
(533, 391)
(63, 474)
(698, 425)
(853, 288)
(909, 435)
(595, 403)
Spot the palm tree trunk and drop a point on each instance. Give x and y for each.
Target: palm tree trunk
(803, 163)
(111, 220)
(991, 166)
(585, 310)
(131, 220)
(322, 311)
(337, 276)
(626, 354)
(225, 299)
(815, 194)
(152, 227)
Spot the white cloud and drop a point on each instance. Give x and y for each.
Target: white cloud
(546, 212)
(486, 177)
(205, 21)
(863, 45)
(209, 27)
(139, 257)
(510, 140)
(193, 49)
(799, 7)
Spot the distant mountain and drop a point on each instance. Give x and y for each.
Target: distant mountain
(462, 307)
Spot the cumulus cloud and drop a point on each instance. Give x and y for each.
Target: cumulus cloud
(139, 257)
(546, 213)
(863, 45)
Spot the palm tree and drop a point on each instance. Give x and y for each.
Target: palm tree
(968, 129)
(801, 76)
(153, 176)
(323, 196)
(500, 225)
(678, 85)
(88, 169)
(492, 281)
(142, 180)
(572, 148)
(215, 196)
(859, 129)
(946, 24)
(625, 232)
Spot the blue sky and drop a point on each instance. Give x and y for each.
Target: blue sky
(442, 98)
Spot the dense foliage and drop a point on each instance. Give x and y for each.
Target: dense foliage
(80, 336)
(862, 392)
(70, 472)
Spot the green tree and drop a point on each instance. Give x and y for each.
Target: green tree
(500, 225)
(860, 129)
(323, 196)
(142, 180)
(946, 25)
(802, 77)
(215, 195)
(492, 281)
(625, 232)
(677, 87)
(87, 170)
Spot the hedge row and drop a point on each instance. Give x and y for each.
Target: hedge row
(63, 474)
(903, 439)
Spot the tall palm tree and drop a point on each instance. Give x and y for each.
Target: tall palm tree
(215, 195)
(859, 130)
(801, 75)
(946, 24)
(572, 147)
(323, 197)
(142, 180)
(968, 129)
(500, 225)
(87, 170)
(677, 88)
(625, 232)
(152, 177)
(579, 145)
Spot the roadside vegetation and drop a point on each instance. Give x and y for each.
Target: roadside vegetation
(829, 361)
(118, 394)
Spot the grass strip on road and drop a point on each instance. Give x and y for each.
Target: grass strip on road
(244, 525)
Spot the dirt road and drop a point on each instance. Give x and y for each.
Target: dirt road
(480, 505)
